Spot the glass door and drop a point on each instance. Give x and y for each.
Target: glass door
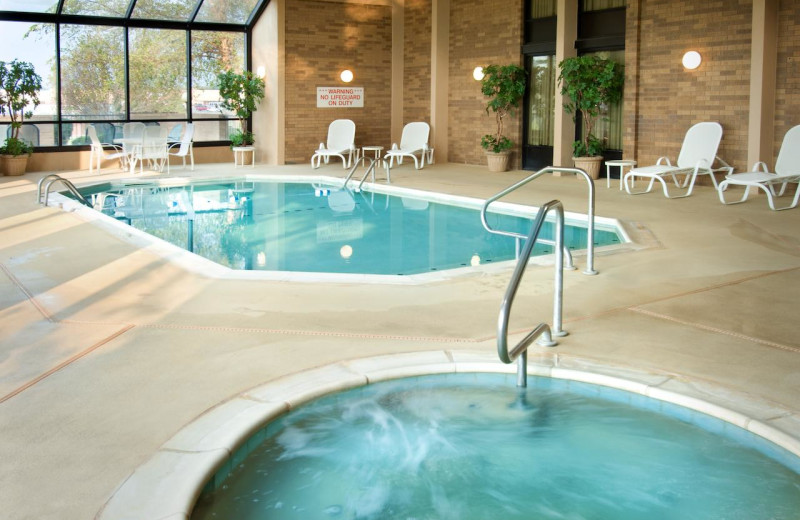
(539, 112)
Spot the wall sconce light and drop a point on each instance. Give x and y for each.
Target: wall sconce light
(346, 75)
(477, 73)
(261, 71)
(691, 60)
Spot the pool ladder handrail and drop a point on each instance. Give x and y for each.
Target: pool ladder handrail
(51, 179)
(590, 270)
(370, 169)
(543, 330)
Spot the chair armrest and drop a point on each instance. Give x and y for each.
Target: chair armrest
(114, 146)
(760, 165)
(666, 159)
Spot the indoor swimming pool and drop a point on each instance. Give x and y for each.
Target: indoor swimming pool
(323, 228)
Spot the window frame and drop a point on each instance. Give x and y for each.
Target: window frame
(58, 18)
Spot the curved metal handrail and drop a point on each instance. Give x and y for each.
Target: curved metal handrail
(52, 179)
(520, 351)
(590, 270)
(370, 169)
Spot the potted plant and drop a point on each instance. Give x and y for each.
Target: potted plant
(504, 85)
(241, 93)
(19, 89)
(589, 84)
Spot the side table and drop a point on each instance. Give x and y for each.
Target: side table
(376, 151)
(621, 164)
(239, 155)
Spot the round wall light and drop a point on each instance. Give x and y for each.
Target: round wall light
(346, 75)
(477, 73)
(691, 60)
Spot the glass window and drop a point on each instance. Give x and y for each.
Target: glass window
(37, 134)
(212, 53)
(36, 44)
(608, 127)
(113, 8)
(157, 68)
(599, 5)
(164, 9)
(29, 6)
(541, 101)
(226, 11)
(92, 72)
(543, 8)
(214, 130)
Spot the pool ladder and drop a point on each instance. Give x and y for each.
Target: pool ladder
(370, 169)
(542, 332)
(48, 180)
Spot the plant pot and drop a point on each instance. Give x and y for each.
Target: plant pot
(14, 164)
(498, 162)
(590, 165)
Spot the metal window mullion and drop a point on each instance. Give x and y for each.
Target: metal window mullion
(189, 75)
(126, 62)
(59, 122)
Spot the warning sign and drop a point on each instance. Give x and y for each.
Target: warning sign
(340, 97)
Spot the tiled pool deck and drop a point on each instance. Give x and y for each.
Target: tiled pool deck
(108, 349)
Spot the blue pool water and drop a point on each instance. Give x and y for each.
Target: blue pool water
(301, 227)
(472, 446)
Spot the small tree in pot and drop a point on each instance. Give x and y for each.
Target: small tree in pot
(241, 93)
(588, 84)
(19, 89)
(504, 85)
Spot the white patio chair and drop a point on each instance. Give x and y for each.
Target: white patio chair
(787, 170)
(413, 140)
(184, 147)
(341, 141)
(153, 150)
(698, 152)
(98, 152)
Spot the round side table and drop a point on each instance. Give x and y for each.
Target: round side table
(621, 164)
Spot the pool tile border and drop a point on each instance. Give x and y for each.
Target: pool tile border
(167, 486)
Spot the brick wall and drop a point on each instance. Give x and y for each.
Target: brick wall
(322, 39)
(787, 95)
(417, 61)
(662, 100)
(482, 32)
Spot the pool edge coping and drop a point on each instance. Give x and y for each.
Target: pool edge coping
(175, 475)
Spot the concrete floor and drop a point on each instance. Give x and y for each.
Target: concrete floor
(107, 349)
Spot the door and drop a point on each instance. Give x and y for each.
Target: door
(539, 114)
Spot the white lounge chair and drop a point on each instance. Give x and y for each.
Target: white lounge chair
(341, 141)
(698, 152)
(184, 147)
(98, 151)
(413, 140)
(787, 170)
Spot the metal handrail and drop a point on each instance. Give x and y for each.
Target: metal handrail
(590, 270)
(370, 168)
(520, 351)
(53, 178)
(350, 173)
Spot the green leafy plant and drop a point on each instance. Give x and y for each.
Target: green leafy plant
(241, 93)
(588, 84)
(19, 88)
(239, 138)
(504, 85)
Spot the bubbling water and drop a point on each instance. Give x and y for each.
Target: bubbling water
(473, 447)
